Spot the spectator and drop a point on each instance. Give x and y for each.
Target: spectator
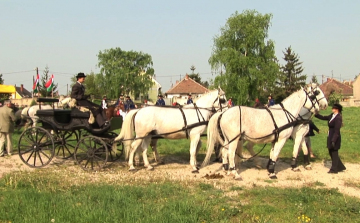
(270, 101)
(160, 101)
(7, 119)
(257, 103)
(189, 101)
(103, 103)
(230, 103)
(129, 104)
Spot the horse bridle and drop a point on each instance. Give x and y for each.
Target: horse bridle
(313, 99)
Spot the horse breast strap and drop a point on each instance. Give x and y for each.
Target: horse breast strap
(185, 128)
(276, 130)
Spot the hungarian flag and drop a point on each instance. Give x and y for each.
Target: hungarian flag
(36, 84)
(50, 84)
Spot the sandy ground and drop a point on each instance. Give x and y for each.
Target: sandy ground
(347, 182)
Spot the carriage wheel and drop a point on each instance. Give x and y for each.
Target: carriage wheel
(114, 155)
(36, 147)
(91, 153)
(65, 146)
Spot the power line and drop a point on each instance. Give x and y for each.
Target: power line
(15, 72)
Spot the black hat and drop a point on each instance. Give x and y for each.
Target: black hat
(189, 94)
(79, 75)
(128, 96)
(160, 96)
(338, 107)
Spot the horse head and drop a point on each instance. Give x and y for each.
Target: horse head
(317, 95)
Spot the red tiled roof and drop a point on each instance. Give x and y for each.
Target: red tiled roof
(334, 85)
(187, 86)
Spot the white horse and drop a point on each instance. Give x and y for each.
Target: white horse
(170, 123)
(239, 124)
(299, 132)
(29, 113)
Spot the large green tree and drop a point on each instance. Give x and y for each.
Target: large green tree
(290, 77)
(245, 57)
(42, 89)
(125, 71)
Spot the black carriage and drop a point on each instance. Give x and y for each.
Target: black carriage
(66, 133)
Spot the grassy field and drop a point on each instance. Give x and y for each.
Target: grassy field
(42, 196)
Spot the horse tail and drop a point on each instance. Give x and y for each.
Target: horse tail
(213, 137)
(127, 133)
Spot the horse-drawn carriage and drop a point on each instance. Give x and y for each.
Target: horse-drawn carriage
(66, 133)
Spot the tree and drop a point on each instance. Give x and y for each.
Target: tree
(125, 71)
(42, 89)
(246, 55)
(314, 79)
(197, 78)
(290, 77)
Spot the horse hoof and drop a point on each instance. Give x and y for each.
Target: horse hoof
(273, 176)
(295, 169)
(238, 178)
(195, 171)
(132, 170)
(150, 169)
(308, 168)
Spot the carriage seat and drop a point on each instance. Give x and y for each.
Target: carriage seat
(52, 100)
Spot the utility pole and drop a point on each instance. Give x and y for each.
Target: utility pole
(322, 79)
(67, 89)
(332, 74)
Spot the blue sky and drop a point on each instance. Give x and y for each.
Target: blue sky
(67, 35)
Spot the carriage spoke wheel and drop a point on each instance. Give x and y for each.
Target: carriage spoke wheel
(36, 147)
(91, 153)
(114, 155)
(66, 143)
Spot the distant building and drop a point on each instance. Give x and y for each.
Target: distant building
(18, 95)
(151, 95)
(180, 91)
(333, 85)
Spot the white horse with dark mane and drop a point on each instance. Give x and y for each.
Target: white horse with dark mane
(274, 124)
(189, 121)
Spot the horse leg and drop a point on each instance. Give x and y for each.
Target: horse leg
(231, 154)
(297, 145)
(238, 154)
(193, 146)
(153, 145)
(145, 145)
(277, 148)
(250, 148)
(133, 149)
(225, 160)
(306, 155)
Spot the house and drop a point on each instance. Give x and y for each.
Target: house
(18, 95)
(180, 91)
(333, 85)
(355, 100)
(21, 92)
(151, 95)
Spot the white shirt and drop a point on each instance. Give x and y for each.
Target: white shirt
(104, 105)
(333, 116)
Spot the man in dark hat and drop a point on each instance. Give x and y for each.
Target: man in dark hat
(129, 104)
(160, 101)
(78, 92)
(189, 100)
(334, 137)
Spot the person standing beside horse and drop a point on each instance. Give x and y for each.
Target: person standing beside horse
(78, 93)
(189, 101)
(160, 101)
(7, 119)
(129, 104)
(334, 137)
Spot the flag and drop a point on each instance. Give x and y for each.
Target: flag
(36, 84)
(50, 84)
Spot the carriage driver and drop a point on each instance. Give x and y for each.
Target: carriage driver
(78, 92)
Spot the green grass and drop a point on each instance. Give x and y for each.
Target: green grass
(41, 197)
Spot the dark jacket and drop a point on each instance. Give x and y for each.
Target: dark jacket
(312, 127)
(334, 130)
(129, 104)
(189, 101)
(78, 92)
(160, 102)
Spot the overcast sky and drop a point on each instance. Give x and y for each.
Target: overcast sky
(67, 35)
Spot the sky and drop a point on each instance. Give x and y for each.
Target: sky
(67, 35)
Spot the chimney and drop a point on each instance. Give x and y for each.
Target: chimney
(186, 77)
(21, 88)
